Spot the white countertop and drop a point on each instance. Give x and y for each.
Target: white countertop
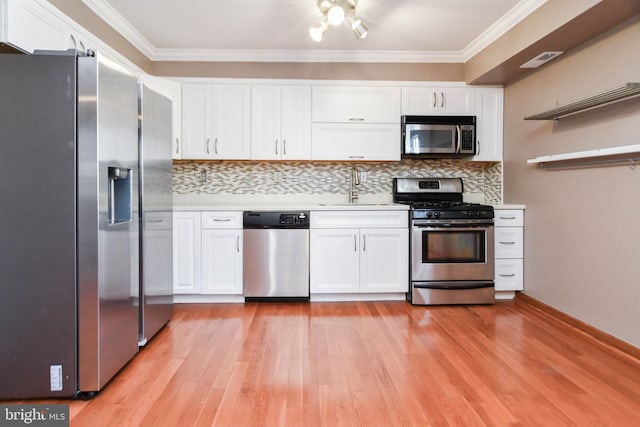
(235, 202)
(509, 206)
(281, 202)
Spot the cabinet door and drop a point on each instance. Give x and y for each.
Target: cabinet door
(266, 143)
(508, 242)
(186, 252)
(334, 260)
(196, 135)
(438, 100)
(384, 260)
(296, 123)
(30, 26)
(342, 141)
(221, 262)
(356, 104)
(230, 122)
(489, 111)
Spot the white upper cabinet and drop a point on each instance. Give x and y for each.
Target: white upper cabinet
(31, 25)
(281, 122)
(434, 101)
(356, 104)
(215, 121)
(489, 119)
(355, 123)
(172, 90)
(357, 141)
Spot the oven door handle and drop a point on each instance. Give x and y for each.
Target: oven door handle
(427, 285)
(453, 226)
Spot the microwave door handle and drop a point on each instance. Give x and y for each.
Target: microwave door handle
(458, 138)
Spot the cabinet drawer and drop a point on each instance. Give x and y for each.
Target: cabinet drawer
(359, 219)
(509, 218)
(509, 275)
(508, 242)
(222, 219)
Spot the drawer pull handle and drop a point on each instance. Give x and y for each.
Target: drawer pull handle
(508, 275)
(507, 243)
(507, 217)
(155, 220)
(356, 119)
(221, 220)
(356, 157)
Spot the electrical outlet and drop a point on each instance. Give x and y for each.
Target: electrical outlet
(277, 176)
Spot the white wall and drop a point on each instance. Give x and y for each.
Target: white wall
(582, 241)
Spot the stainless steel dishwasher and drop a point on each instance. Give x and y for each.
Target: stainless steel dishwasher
(276, 255)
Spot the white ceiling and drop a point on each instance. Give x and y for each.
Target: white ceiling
(277, 30)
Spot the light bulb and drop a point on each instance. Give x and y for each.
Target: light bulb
(358, 27)
(336, 15)
(317, 31)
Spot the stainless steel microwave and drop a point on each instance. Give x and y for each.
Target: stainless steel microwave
(438, 136)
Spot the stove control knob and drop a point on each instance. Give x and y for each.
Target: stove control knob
(436, 214)
(428, 214)
(478, 214)
(469, 213)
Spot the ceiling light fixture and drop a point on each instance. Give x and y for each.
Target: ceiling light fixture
(334, 12)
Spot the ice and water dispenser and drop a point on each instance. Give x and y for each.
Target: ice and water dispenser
(120, 195)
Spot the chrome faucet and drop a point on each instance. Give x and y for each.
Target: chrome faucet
(355, 182)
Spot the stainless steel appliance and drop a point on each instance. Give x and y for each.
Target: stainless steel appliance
(276, 255)
(438, 136)
(452, 254)
(156, 206)
(69, 237)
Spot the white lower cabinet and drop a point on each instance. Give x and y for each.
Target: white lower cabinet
(371, 259)
(208, 253)
(509, 249)
(186, 252)
(221, 262)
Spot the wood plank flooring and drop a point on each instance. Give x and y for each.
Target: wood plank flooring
(368, 364)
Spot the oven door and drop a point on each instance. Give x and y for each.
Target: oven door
(458, 252)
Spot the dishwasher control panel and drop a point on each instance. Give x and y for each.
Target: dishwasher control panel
(300, 218)
(275, 219)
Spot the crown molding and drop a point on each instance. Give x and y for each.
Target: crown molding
(500, 27)
(361, 56)
(112, 17)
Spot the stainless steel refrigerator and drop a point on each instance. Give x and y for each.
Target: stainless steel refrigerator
(69, 224)
(156, 204)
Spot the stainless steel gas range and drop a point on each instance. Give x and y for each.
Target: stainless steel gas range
(452, 255)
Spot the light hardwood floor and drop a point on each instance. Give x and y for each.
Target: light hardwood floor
(369, 364)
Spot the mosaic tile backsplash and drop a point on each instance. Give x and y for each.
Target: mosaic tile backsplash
(274, 178)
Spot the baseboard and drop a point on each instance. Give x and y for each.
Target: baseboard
(595, 333)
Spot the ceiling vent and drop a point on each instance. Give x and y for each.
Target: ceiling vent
(543, 58)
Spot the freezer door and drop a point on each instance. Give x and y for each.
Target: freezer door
(107, 221)
(156, 204)
(37, 231)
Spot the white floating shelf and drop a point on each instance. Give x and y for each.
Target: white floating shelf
(600, 156)
(628, 90)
